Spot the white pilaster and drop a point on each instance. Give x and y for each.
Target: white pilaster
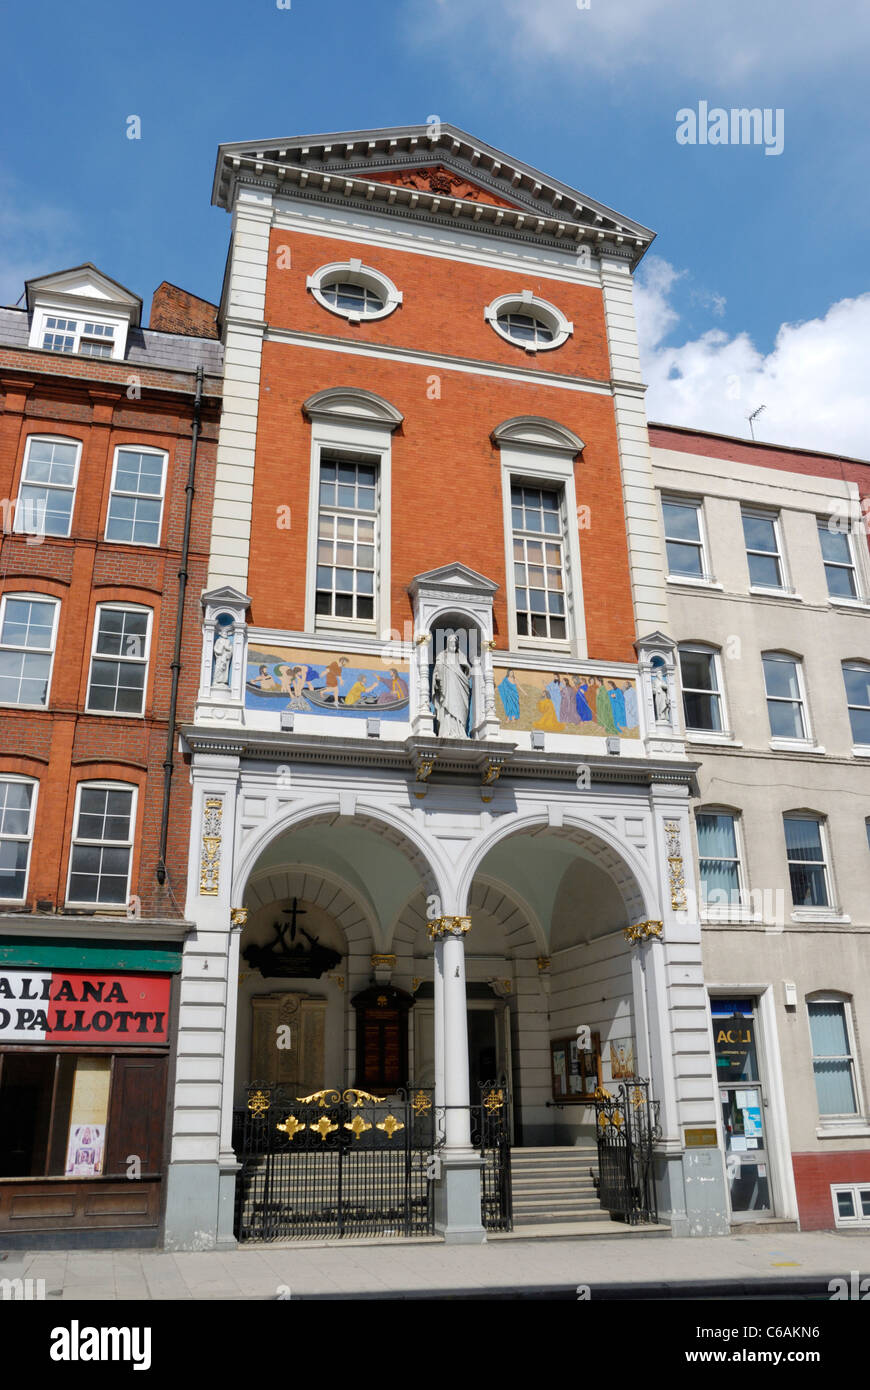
(645, 552)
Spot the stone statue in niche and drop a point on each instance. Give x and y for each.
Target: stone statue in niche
(451, 690)
(661, 694)
(223, 655)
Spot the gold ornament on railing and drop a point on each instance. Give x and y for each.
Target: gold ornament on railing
(390, 1126)
(323, 1127)
(291, 1126)
(358, 1126)
(259, 1102)
(421, 1104)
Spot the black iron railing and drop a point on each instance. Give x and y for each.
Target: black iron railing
(627, 1129)
(347, 1163)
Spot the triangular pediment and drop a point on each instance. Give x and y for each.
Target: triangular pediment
(88, 286)
(436, 178)
(454, 576)
(434, 171)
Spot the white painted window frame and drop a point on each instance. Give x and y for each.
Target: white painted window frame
(780, 741)
(856, 1116)
(723, 735)
(544, 468)
(850, 1223)
(527, 302)
(706, 577)
(113, 492)
(145, 660)
(734, 911)
(858, 578)
(355, 273)
(38, 598)
(99, 784)
(784, 587)
(860, 749)
(119, 322)
(34, 784)
(55, 487)
(361, 439)
(827, 910)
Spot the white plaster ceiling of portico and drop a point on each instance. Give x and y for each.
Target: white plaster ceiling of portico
(376, 872)
(569, 881)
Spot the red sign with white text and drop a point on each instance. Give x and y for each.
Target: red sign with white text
(78, 1006)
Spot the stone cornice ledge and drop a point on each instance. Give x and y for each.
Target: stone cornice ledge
(133, 931)
(452, 756)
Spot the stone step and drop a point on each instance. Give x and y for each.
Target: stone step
(560, 1217)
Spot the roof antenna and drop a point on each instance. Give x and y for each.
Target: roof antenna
(754, 416)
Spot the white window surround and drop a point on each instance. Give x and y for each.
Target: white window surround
(830, 1124)
(785, 743)
(29, 597)
(152, 497)
(743, 910)
(128, 844)
(706, 579)
(856, 1190)
(352, 421)
(784, 589)
(831, 912)
(355, 273)
(541, 452)
(526, 302)
(21, 509)
(81, 315)
(34, 785)
(142, 659)
(724, 735)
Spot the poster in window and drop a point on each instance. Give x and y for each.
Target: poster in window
(622, 1058)
(559, 1052)
(84, 1155)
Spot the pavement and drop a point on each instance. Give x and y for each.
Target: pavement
(768, 1264)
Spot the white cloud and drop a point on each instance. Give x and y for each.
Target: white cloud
(34, 240)
(731, 41)
(813, 383)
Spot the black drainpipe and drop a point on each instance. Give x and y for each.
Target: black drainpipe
(179, 625)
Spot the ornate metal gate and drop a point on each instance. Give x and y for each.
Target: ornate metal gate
(627, 1128)
(491, 1133)
(348, 1163)
(333, 1163)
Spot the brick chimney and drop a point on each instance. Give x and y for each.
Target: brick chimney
(177, 311)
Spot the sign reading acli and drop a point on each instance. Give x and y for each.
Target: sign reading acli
(72, 1006)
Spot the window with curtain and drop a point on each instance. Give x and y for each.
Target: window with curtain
(833, 1064)
(806, 861)
(718, 857)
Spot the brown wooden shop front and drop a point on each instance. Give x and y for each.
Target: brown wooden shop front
(83, 1106)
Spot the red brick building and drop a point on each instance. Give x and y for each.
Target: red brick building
(107, 433)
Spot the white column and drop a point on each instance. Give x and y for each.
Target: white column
(456, 1095)
(439, 1027)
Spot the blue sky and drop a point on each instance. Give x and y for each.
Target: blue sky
(756, 289)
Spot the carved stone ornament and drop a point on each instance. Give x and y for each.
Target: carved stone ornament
(209, 864)
(675, 865)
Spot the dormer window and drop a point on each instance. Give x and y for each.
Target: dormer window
(89, 338)
(81, 312)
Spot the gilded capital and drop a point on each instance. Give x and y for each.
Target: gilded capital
(239, 916)
(449, 926)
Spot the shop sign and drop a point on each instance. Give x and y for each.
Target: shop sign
(75, 1006)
